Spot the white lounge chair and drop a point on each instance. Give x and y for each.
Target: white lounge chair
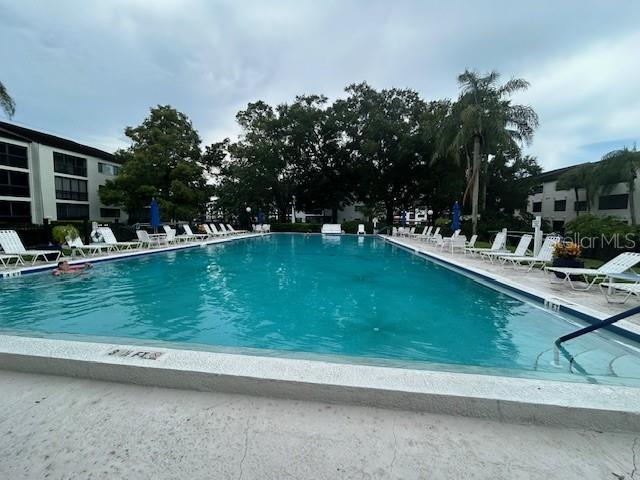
(435, 235)
(215, 232)
(619, 264)
(471, 243)
(233, 230)
(459, 242)
(544, 256)
(224, 230)
(77, 245)
(176, 238)
(361, 230)
(331, 229)
(520, 251)
(266, 228)
(12, 245)
(109, 238)
(498, 245)
(150, 242)
(611, 288)
(195, 236)
(5, 260)
(425, 233)
(444, 243)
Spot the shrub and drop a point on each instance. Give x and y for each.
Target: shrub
(352, 226)
(296, 227)
(61, 232)
(603, 237)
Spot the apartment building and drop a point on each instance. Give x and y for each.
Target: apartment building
(561, 206)
(43, 176)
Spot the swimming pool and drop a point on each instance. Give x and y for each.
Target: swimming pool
(345, 299)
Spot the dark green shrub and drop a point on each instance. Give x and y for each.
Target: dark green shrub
(603, 237)
(296, 227)
(352, 226)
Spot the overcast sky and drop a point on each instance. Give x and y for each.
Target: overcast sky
(86, 69)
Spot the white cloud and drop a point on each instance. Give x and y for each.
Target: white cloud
(86, 70)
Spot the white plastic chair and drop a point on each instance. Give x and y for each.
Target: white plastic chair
(12, 245)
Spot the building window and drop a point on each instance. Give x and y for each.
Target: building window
(14, 184)
(13, 155)
(559, 205)
(108, 169)
(15, 212)
(557, 226)
(71, 211)
(63, 163)
(537, 206)
(614, 202)
(537, 189)
(71, 189)
(110, 212)
(580, 206)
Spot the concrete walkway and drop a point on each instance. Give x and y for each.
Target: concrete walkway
(64, 428)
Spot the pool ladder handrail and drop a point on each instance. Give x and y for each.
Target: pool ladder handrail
(597, 325)
(588, 329)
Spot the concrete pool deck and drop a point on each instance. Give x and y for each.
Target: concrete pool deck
(64, 428)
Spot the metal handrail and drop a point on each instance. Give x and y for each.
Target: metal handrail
(596, 326)
(590, 328)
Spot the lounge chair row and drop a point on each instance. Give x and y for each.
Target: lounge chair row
(613, 278)
(14, 253)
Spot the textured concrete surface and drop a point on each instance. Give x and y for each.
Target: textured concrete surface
(62, 428)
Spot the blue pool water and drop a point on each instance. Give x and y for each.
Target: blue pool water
(348, 297)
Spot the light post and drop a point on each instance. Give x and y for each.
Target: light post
(293, 209)
(250, 220)
(429, 217)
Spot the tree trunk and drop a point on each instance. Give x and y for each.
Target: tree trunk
(389, 209)
(476, 185)
(484, 185)
(577, 209)
(334, 215)
(632, 207)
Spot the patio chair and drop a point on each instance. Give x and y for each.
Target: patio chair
(77, 245)
(12, 245)
(436, 234)
(498, 245)
(150, 242)
(471, 243)
(619, 264)
(521, 250)
(5, 260)
(195, 236)
(233, 230)
(176, 238)
(425, 233)
(224, 230)
(215, 232)
(611, 288)
(544, 256)
(361, 230)
(266, 228)
(109, 238)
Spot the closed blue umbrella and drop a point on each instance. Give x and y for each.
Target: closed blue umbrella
(260, 217)
(155, 215)
(455, 225)
(403, 219)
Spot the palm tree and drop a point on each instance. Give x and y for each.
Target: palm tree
(581, 176)
(620, 166)
(6, 102)
(484, 119)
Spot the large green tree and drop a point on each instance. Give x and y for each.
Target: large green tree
(484, 121)
(6, 102)
(577, 178)
(619, 166)
(163, 162)
(389, 136)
